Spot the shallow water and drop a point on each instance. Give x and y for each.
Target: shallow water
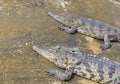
(25, 23)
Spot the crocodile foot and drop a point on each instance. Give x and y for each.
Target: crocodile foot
(104, 47)
(60, 28)
(49, 72)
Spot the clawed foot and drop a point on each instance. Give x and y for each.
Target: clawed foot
(61, 28)
(104, 47)
(49, 72)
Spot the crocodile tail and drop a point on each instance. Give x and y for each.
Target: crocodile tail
(115, 81)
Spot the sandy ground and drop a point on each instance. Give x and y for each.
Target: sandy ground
(24, 23)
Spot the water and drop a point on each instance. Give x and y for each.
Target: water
(24, 23)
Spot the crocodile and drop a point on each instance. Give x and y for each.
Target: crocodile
(95, 68)
(87, 26)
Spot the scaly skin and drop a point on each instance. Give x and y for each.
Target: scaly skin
(96, 68)
(87, 26)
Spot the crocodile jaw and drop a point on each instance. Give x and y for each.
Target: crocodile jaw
(57, 17)
(63, 18)
(45, 52)
(52, 53)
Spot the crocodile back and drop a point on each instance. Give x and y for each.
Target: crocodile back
(97, 68)
(97, 29)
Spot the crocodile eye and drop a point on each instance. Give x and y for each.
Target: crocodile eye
(72, 21)
(59, 48)
(73, 50)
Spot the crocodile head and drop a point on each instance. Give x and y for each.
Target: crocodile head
(65, 19)
(54, 52)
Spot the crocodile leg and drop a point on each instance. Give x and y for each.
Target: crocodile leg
(106, 44)
(60, 75)
(70, 30)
